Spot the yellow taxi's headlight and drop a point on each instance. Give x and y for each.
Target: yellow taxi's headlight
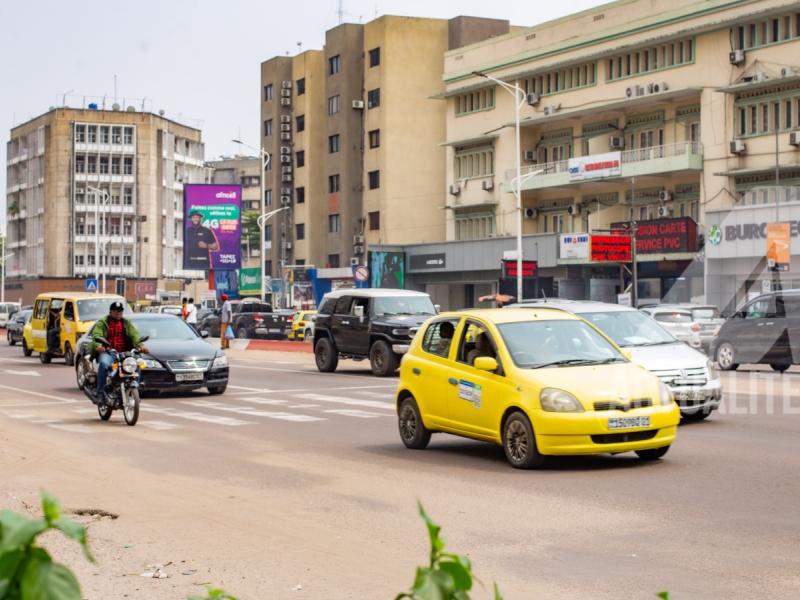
(666, 395)
(555, 400)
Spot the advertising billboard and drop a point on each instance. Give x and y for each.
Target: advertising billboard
(657, 236)
(387, 269)
(574, 245)
(250, 281)
(595, 166)
(778, 246)
(212, 226)
(611, 248)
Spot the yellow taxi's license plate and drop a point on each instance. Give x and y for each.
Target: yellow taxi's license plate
(628, 422)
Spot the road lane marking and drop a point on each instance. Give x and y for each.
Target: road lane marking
(250, 411)
(352, 412)
(196, 416)
(158, 425)
(25, 373)
(72, 428)
(270, 401)
(303, 406)
(24, 391)
(37, 404)
(350, 401)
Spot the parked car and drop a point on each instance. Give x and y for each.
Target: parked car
(250, 319)
(678, 321)
(7, 310)
(15, 326)
(178, 357)
(302, 325)
(687, 372)
(766, 330)
(536, 382)
(707, 316)
(368, 323)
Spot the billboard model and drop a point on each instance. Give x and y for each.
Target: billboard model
(387, 269)
(212, 227)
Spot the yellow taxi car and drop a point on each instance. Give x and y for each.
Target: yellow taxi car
(302, 325)
(539, 382)
(59, 319)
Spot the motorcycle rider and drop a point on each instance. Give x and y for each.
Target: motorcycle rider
(121, 334)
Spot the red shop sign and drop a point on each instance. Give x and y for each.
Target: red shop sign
(528, 268)
(611, 248)
(664, 235)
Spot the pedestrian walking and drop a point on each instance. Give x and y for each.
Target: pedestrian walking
(191, 314)
(224, 322)
(183, 308)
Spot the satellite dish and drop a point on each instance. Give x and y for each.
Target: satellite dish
(115, 106)
(161, 112)
(131, 109)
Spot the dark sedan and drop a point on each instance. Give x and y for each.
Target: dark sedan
(15, 325)
(178, 358)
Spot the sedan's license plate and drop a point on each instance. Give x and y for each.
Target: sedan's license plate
(689, 395)
(188, 376)
(628, 422)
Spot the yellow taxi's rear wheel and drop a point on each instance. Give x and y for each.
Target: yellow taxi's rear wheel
(409, 423)
(519, 442)
(653, 453)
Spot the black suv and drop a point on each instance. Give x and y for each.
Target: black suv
(368, 323)
(765, 330)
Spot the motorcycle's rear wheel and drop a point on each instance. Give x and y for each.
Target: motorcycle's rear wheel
(130, 404)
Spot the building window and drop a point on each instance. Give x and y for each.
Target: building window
(127, 260)
(301, 86)
(268, 197)
(474, 226)
(127, 196)
(333, 143)
(333, 261)
(80, 164)
(92, 134)
(561, 80)
(334, 64)
(474, 161)
(300, 231)
(300, 195)
(652, 58)
(116, 135)
(105, 134)
(116, 165)
(268, 93)
(300, 158)
(127, 165)
(475, 101)
(79, 259)
(80, 133)
(104, 165)
(375, 138)
(374, 220)
(374, 98)
(333, 183)
(375, 57)
(268, 233)
(91, 162)
(333, 105)
(268, 128)
(334, 223)
(759, 113)
(127, 136)
(766, 32)
(300, 121)
(374, 179)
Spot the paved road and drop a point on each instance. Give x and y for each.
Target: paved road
(296, 478)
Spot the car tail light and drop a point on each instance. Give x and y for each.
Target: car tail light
(258, 318)
(695, 327)
(290, 319)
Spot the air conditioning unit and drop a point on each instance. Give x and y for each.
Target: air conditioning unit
(286, 200)
(358, 104)
(656, 88)
(794, 138)
(286, 178)
(286, 101)
(574, 209)
(736, 57)
(286, 127)
(455, 190)
(287, 245)
(634, 91)
(286, 93)
(286, 169)
(789, 71)
(286, 150)
(286, 85)
(738, 147)
(286, 136)
(664, 211)
(358, 250)
(533, 99)
(354, 261)
(286, 118)
(530, 155)
(286, 158)
(665, 196)
(487, 185)
(551, 110)
(358, 240)
(616, 142)
(531, 213)
(286, 191)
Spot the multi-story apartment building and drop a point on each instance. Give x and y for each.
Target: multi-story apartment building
(355, 139)
(97, 192)
(672, 114)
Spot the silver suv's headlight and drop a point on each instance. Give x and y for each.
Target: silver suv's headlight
(129, 365)
(220, 361)
(712, 372)
(665, 394)
(556, 400)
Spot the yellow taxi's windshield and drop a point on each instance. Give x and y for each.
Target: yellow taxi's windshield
(537, 344)
(96, 308)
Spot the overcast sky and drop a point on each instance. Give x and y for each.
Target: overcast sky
(196, 59)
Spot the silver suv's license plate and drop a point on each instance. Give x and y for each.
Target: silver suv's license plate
(628, 422)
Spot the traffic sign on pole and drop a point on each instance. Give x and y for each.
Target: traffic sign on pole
(91, 284)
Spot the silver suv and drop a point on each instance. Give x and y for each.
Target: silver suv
(687, 372)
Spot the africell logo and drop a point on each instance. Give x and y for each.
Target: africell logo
(224, 195)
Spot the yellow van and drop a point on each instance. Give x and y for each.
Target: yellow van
(60, 319)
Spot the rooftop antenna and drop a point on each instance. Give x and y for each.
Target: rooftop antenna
(115, 88)
(340, 11)
(299, 47)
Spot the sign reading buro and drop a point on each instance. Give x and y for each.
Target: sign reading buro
(574, 245)
(595, 166)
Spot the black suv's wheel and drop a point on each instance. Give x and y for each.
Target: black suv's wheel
(519, 442)
(779, 367)
(326, 355)
(726, 357)
(653, 454)
(409, 423)
(382, 360)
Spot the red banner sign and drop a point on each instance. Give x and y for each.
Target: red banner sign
(611, 248)
(529, 268)
(662, 236)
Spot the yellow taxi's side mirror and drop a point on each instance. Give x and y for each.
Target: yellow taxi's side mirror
(628, 354)
(485, 363)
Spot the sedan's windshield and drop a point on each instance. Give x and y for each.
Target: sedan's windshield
(91, 310)
(630, 328)
(673, 317)
(164, 329)
(403, 305)
(705, 313)
(537, 344)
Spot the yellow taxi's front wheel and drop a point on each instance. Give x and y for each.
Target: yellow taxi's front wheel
(519, 442)
(409, 423)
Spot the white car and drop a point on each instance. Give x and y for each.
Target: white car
(680, 322)
(687, 372)
(7, 310)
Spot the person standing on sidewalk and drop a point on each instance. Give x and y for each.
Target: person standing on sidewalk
(224, 321)
(191, 314)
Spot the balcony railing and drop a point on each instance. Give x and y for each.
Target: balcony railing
(629, 157)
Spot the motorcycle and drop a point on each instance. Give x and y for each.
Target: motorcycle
(122, 385)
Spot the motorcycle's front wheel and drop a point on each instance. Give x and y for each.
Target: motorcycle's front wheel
(130, 405)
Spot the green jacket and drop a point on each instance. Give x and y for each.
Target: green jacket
(100, 329)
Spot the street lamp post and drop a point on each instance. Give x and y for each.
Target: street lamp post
(520, 97)
(262, 220)
(104, 194)
(265, 158)
(3, 258)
